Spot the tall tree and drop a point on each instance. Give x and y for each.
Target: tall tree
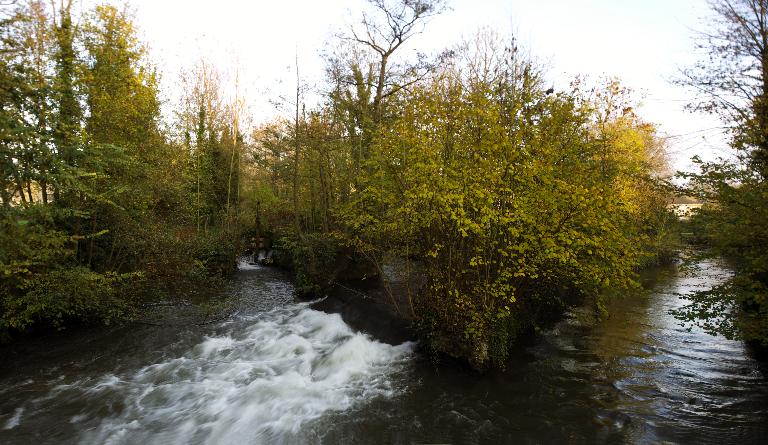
(470, 181)
(121, 85)
(69, 112)
(296, 154)
(732, 77)
(14, 94)
(365, 72)
(203, 114)
(37, 38)
(733, 83)
(384, 31)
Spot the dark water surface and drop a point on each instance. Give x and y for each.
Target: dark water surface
(278, 371)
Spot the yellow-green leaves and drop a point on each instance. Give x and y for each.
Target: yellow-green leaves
(508, 200)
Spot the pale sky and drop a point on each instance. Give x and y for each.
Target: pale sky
(642, 42)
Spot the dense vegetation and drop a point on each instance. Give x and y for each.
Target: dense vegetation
(732, 83)
(516, 201)
(512, 199)
(100, 207)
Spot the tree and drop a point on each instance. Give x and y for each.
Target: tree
(203, 116)
(732, 78)
(470, 181)
(121, 85)
(384, 31)
(364, 73)
(15, 92)
(296, 156)
(79, 114)
(27, 152)
(67, 97)
(733, 83)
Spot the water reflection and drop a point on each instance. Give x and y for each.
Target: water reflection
(638, 377)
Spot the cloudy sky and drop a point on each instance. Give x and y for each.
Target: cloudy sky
(643, 43)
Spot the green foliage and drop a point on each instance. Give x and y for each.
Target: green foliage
(314, 258)
(732, 84)
(40, 280)
(514, 202)
(121, 88)
(30, 242)
(97, 212)
(734, 224)
(214, 252)
(512, 199)
(63, 295)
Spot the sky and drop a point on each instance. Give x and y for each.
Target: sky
(643, 43)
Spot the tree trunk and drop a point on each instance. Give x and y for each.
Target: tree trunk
(377, 107)
(296, 155)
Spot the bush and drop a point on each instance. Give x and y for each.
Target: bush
(314, 259)
(64, 295)
(41, 281)
(513, 199)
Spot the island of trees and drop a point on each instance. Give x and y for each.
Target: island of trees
(512, 198)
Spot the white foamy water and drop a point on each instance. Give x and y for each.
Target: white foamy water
(15, 419)
(262, 382)
(248, 263)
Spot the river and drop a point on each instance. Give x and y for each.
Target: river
(279, 371)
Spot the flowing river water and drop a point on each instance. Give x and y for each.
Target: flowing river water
(279, 371)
